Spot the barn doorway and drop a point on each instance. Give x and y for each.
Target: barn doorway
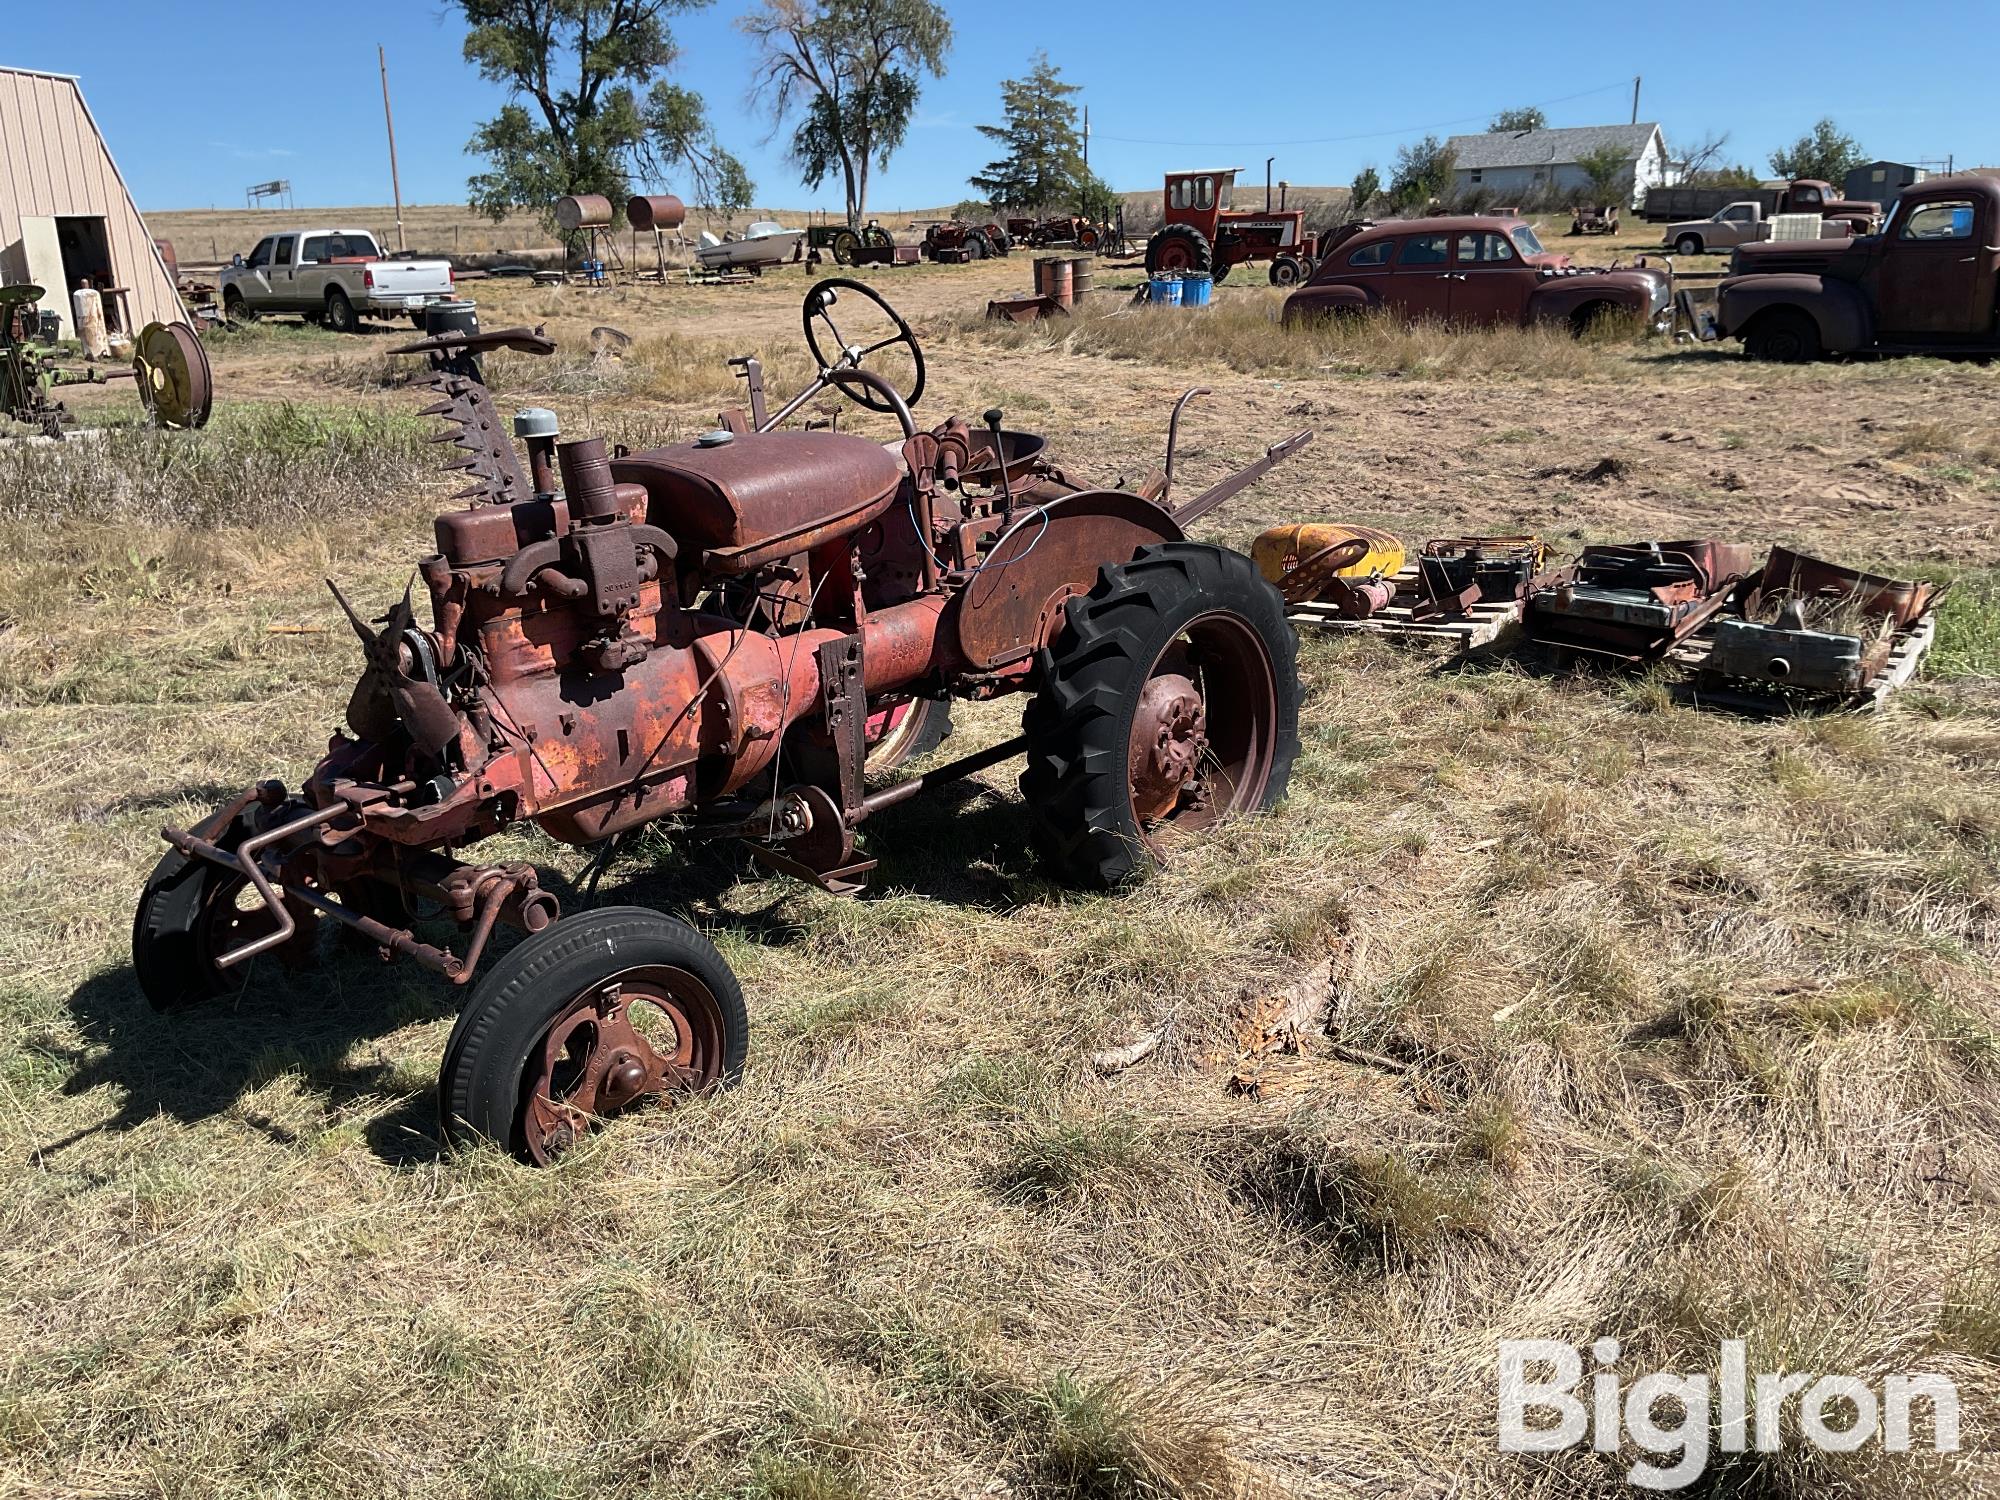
(86, 260)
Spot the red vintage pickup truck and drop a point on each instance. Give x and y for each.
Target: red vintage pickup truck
(1927, 283)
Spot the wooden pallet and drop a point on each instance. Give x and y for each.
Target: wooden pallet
(1906, 654)
(1479, 626)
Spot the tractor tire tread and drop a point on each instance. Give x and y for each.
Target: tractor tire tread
(1075, 782)
(479, 1076)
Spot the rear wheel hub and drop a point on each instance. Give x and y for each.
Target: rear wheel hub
(1169, 741)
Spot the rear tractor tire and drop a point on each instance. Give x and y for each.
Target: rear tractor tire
(845, 247)
(1178, 247)
(1169, 701)
(1783, 335)
(597, 1015)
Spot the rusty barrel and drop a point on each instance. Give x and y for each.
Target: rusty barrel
(576, 211)
(1054, 280)
(658, 211)
(1080, 267)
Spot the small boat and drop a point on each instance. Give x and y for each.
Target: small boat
(762, 244)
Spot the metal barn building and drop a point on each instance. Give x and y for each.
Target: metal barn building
(66, 217)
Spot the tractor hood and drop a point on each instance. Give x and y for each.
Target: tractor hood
(732, 489)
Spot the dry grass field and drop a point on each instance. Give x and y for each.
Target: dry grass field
(1629, 1020)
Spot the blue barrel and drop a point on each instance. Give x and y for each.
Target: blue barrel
(1165, 289)
(1196, 287)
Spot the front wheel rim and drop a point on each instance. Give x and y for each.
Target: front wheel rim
(1204, 729)
(639, 1035)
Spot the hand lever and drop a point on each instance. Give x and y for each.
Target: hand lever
(992, 418)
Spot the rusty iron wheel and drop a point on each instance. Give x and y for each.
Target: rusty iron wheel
(189, 913)
(598, 1015)
(1170, 701)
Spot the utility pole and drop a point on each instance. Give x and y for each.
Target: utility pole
(1635, 98)
(1086, 138)
(395, 182)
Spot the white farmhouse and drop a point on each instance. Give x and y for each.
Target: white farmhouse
(1527, 165)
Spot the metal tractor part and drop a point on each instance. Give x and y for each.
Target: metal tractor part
(1455, 573)
(730, 638)
(168, 364)
(1351, 568)
(1634, 602)
(1816, 627)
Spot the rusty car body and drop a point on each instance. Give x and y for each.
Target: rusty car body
(1927, 283)
(1472, 270)
(727, 635)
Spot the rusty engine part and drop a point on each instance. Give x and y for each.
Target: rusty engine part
(1350, 568)
(1831, 628)
(1455, 573)
(1634, 602)
(168, 364)
(729, 633)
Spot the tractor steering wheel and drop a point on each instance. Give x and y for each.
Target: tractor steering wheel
(876, 394)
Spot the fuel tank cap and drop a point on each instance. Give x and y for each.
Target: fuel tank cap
(722, 437)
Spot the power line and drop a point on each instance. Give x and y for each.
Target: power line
(1371, 135)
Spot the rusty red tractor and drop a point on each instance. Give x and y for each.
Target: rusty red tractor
(733, 635)
(956, 240)
(1200, 232)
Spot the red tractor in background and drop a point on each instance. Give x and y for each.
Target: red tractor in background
(951, 240)
(1200, 232)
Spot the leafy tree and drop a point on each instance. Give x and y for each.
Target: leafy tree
(1824, 152)
(1043, 167)
(848, 73)
(1366, 189)
(1610, 172)
(1096, 199)
(1736, 175)
(1513, 121)
(578, 123)
(1423, 173)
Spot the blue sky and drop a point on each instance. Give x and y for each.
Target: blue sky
(192, 118)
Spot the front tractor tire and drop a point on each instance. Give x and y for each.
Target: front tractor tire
(1286, 270)
(1783, 335)
(192, 911)
(1169, 701)
(1176, 248)
(600, 1014)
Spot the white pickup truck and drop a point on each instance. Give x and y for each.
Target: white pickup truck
(335, 276)
(1732, 225)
